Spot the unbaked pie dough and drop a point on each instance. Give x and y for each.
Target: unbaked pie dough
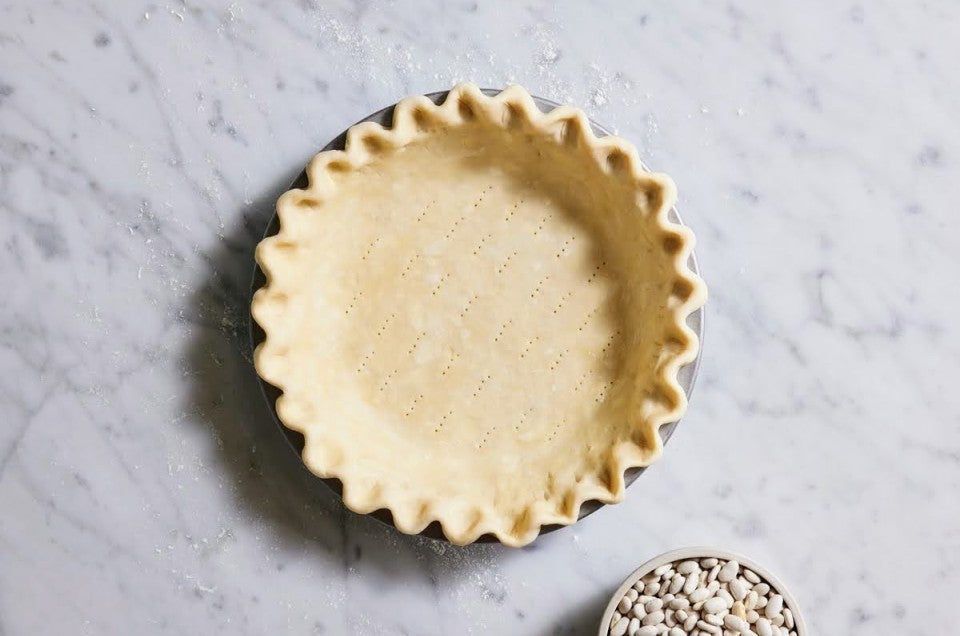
(477, 315)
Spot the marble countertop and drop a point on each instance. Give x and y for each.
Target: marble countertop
(144, 489)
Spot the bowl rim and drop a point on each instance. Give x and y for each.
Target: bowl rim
(696, 553)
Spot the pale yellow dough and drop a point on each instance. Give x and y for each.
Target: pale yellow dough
(477, 315)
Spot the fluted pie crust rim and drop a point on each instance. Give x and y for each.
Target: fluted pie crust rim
(312, 344)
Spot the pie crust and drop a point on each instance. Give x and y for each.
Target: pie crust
(477, 315)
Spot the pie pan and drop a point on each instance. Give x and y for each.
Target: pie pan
(684, 376)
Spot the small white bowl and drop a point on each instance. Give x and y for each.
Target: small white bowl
(697, 553)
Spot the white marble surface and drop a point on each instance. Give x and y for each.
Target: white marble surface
(143, 488)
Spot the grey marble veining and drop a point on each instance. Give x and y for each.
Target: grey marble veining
(143, 488)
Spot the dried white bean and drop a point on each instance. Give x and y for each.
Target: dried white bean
(691, 583)
(651, 588)
(777, 620)
(735, 623)
(620, 627)
(663, 568)
(653, 605)
(751, 601)
(616, 617)
(713, 586)
(664, 589)
(714, 573)
(729, 571)
(700, 594)
(774, 606)
(666, 576)
(752, 616)
(625, 604)
(638, 610)
(647, 630)
(708, 563)
(668, 618)
(713, 619)
(676, 631)
(763, 627)
(688, 567)
(751, 576)
(707, 627)
(738, 610)
(681, 615)
(738, 589)
(761, 588)
(668, 597)
(676, 584)
(632, 594)
(653, 618)
(725, 595)
(679, 603)
(788, 618)
(714, 605)
(634, 627)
